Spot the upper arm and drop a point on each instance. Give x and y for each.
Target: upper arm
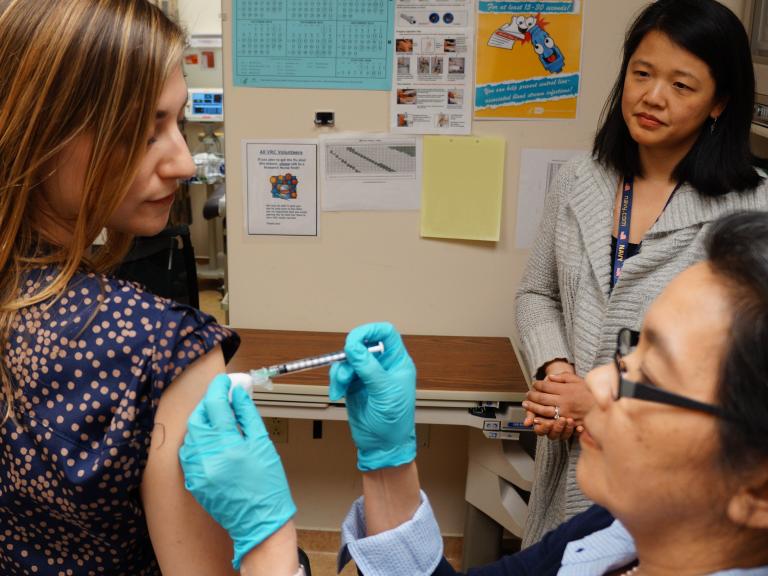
(540, 276)
(538, 306)
(537, 299)
(187, 541)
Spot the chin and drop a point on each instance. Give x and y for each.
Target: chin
(591, 480)
(151, 230)
(150, 227)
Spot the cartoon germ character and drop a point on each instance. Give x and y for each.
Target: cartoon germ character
(549, 54)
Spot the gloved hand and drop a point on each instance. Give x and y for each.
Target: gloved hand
(381, 396)
(235, 474)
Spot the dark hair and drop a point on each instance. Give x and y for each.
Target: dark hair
(737, 249)
(720, 160)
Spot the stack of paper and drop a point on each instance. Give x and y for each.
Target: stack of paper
(505, 37)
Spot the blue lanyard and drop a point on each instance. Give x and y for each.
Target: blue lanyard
(622, 238)
(625, 218)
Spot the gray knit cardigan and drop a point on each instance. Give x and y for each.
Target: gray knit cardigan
(565, 309)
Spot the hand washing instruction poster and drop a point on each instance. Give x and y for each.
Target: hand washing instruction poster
(432, 92)
(528, 59)
(313, 43)
(281, 187)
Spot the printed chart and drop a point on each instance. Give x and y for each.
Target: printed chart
(345, 160)
(313, 43)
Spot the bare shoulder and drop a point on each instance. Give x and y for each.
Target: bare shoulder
(185, 538)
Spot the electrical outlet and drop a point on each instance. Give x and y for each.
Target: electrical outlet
(278, 429)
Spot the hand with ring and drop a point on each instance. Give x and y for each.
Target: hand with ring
(556, 428)
(557, 366)
(557, 405)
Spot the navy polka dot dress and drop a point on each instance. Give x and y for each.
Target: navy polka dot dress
(88, 372)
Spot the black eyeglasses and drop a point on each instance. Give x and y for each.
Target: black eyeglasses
(626, 341)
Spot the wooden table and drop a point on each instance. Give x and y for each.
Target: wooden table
(451, 368)
(454, 375)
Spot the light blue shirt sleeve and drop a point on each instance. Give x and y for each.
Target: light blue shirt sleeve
(414, 547)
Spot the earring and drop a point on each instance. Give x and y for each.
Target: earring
(712, 126)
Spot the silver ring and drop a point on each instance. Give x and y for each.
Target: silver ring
(557, 412)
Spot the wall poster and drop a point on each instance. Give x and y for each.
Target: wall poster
(432, 92)
(280, 187)
(528, 59)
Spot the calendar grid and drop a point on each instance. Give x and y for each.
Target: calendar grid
(313, 43)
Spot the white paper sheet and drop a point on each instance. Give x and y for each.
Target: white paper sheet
(281, 187)
(433, 68)
(538, 169)
(374, 172)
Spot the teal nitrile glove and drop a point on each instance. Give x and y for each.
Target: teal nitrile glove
(381, 396)
(235, 474)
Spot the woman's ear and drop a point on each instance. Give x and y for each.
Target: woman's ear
(719, 108)
(748, 506)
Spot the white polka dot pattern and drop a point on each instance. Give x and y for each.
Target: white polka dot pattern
(88, 372)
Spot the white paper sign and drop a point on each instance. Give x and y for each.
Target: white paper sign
(281, 187)
(371, 172)
(538, 169)
(433, 68)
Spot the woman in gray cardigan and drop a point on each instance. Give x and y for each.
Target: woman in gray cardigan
(672, 155)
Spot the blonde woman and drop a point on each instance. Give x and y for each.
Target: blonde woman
(98, 376)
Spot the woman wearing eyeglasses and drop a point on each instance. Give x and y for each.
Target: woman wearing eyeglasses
(675, 445)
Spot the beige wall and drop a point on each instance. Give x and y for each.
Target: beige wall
(324, 480)
(367, 266)
(200, 16)
(739, 7)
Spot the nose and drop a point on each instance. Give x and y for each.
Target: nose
(654, 95)
(178, 163)
(601, 382)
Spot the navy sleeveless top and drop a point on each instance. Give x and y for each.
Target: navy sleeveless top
(88, 372)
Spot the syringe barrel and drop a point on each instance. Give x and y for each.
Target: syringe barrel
(317, 361)
(312, 362)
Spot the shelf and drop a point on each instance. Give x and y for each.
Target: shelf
(759, 130)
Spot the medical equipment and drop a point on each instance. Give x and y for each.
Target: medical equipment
(205, 105)
(209, 168)
(262, 378)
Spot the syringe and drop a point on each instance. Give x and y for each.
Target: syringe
(262, 377)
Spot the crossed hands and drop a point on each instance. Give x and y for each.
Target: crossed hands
(556, 405)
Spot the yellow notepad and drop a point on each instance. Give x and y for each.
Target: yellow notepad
(462, 187)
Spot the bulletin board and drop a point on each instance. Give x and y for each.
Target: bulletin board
(370, 266)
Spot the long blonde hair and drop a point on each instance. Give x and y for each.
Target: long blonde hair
(72, 68)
